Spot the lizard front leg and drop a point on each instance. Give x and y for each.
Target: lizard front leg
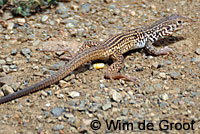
(155, 51)
(113, 71)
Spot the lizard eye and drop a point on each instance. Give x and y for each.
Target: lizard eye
(179, 22)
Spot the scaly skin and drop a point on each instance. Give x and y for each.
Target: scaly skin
(113, 48)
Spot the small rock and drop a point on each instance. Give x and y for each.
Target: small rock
(14, 52)
(158, 86)
(168, 62)
(64, 15)
(26, 52)
(58, 127)
(117, 12)
(45, 18)
(9, 60)
(197, 51)
(59, 53)
(106, 106)
(133, 13)
(162, 75)
(10, 25)
(7, 15)
(63, 83)
(102, 86)
(57, 111)
(74, 94)
(68, 115)
(21, 21)
(6, 68)
(150, 89)
(116, 96)
(48, 105)
(155, 64)
(174, 74)
(195, 59)
(57, 66)
(7, 37)
(85, 7)
(36, 43)
(124, 111)
(69, 26)
(1, 93)
(2, 62)
(44, 93)
(7, 89)
(112, 6)
(164, 97)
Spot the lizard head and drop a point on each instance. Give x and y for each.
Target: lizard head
(176, 22)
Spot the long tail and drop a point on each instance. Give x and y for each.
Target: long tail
(74, 63)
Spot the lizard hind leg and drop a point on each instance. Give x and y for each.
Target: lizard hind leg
(113, 71)
(86, 45)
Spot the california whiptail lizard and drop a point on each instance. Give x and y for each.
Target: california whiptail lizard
(113, 48)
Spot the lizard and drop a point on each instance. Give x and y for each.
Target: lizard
(114, 48)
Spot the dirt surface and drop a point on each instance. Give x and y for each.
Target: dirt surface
(170, 84)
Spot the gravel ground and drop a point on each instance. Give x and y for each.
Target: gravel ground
(170, 84)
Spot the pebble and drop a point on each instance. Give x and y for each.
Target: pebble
(164, 97)
(57, 111)
(14, 52)
(45, 18)
(162, 75)
(21, 21)
(158, 86)
(69, 26)
(9, 60)
(44, 93)
(57, 66)
(64, 15)
(1, 93)
(112, 6)
(116, 96)
(2, 62)
(59, 53)
(195, 59)
(74, 94)
(174, 74)
(36, 43)
(26, 51)
(85, 7)
(58, 127)
(68, 115)
(7, 15)
(7, 89)
(47, 105)
(124, 112)
(10, 25)
(63, 83)
(7, 37)
(107, 106)
(6, 68)
(102, 86)
(197, 51)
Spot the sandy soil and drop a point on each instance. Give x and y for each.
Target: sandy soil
(170, 84)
